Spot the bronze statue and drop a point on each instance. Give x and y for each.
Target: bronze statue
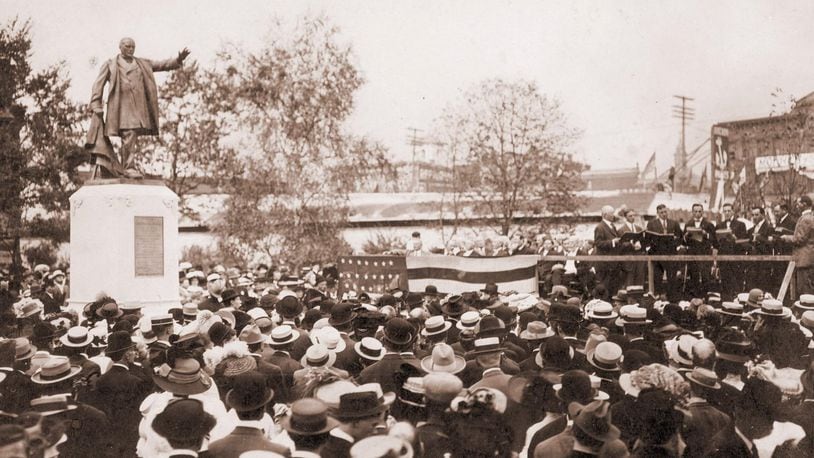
(132, 108)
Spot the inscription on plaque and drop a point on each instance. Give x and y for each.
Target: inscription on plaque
(149, 245)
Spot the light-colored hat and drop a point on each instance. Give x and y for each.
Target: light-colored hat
(56, 369)
(330, 337)
(606, 356)
(318, 356)
(632, 314)
(468, 320)
(283, 335)
(76, 337)
(537, 330)
(369, 348)
(435, 325)
(443, 359)
(773, 307)
(681, 350)
(805, 302)
(602, 311)
(442, 387)
(731, 309)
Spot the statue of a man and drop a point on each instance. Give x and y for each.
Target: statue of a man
(132, 106)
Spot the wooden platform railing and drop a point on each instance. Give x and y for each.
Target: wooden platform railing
(788, 285)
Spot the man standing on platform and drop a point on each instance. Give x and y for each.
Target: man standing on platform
(635, 273)
(664, 226)
(803, 242)
(607, 242)
(759, 235)
(728, 232)
(699, 237)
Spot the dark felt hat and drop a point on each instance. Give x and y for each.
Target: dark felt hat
(399, 331)
(454, 306)
(249, 392)
(183, 419)
(289, 307)
(342, 313)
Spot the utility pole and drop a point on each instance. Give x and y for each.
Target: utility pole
(415, 141)
(686, 114)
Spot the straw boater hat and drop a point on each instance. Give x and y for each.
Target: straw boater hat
(805, 302)
(773, 307)
(468, 320)
(632, 314)
(443, 359)
(56, 369)
(283, 335)
(602, 311)
(486, 345)
(369, 348)
(435, 325)
(77, 337)
(731, 309)
(318, 355)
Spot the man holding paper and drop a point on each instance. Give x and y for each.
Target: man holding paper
(699, 237)
(663, 238)
(732, 238)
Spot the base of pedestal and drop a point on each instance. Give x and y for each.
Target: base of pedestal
(124, 242)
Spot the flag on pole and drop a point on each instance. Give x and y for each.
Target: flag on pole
(648, 170)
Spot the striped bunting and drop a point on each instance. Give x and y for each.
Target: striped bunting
(455, 274)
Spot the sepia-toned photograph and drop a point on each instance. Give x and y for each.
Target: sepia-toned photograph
(416, 229)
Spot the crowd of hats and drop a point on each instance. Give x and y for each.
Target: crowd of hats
(407, 373)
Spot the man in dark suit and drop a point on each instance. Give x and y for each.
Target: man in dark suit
(215, 284)
(635, 273)
(803, 242)
(87, 428)
(398, 339)
(17, 388)
(119, 393)
(667, 227)
(699, 238)
(607, 242)
(759, 244)
(731, 273)
(547, 249)
(50, 297)
(280, 341)
(248, 398)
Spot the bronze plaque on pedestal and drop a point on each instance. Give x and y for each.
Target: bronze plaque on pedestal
(148, 233)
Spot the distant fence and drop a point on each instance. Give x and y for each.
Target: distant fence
(379, 274)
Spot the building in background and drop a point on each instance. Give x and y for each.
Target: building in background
(765, 160)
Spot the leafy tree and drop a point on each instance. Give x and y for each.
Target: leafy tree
(512, 145)
(40, 137)
(191, 149)
(291, 99)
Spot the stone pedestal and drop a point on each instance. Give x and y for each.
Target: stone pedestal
(124, 241)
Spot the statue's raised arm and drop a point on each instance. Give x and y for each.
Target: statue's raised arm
(132, 107)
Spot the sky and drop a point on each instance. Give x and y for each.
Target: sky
(614, 65)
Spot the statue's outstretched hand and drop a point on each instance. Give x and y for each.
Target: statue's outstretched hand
(183, 54)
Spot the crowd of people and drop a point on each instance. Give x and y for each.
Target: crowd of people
(287, 369)
(271, 362)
